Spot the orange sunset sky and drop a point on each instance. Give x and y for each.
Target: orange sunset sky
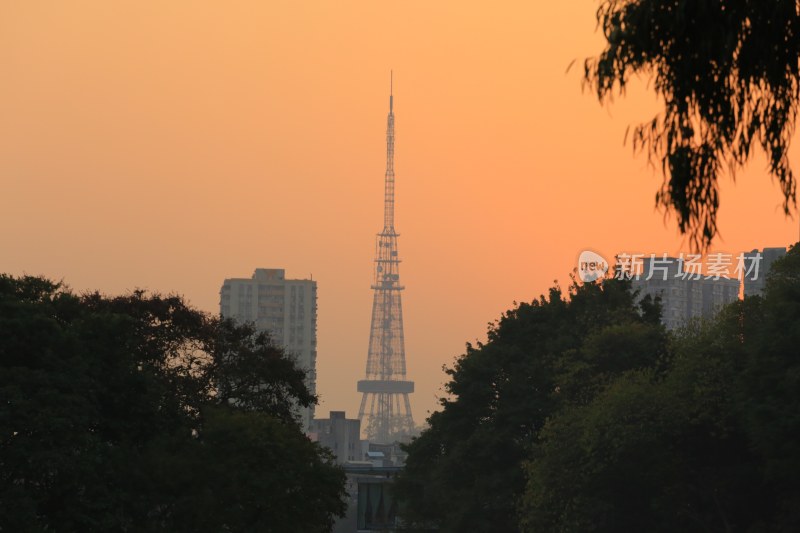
(169, 145)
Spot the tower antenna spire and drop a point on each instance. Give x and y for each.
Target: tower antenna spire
(388, 196)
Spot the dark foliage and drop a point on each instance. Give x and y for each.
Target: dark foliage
(727, 72)
(583, 414)
(465, 472)
(139, 413)
(708, 443)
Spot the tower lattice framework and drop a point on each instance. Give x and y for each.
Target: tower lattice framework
(385, 411)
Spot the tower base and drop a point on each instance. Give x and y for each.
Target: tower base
(386, 416)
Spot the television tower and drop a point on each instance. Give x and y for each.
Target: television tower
(385, 411)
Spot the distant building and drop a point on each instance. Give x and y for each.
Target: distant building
(342, 435)
(285, 308)
(685, 294)
(758, 266)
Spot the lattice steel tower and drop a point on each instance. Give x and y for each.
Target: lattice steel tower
(385, 411)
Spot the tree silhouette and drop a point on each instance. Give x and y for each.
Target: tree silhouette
(139, 413)
(727, 73)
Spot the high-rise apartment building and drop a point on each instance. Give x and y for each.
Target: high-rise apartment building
(758, 266)
(285, 308)
(684, 294)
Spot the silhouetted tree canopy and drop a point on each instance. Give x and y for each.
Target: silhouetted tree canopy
(581, 413)
(464, 473)
(708, 443)
(139, 413)
(727, 72)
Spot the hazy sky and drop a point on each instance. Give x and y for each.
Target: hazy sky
(169, 145)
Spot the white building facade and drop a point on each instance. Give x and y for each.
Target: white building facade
(285, 308)
(684, 294)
